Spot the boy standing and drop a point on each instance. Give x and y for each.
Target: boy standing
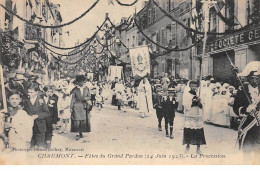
(169, 105)
(157, 104)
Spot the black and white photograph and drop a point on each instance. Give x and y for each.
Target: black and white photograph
(129, 82)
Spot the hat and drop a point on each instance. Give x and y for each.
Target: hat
(194, 82)
(231, 87)
(218, 84)
(171, 90)
(252, 67)
(79, 78)
(19, 77)
(226, 85)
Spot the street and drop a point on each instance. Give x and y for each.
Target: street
(126, 133)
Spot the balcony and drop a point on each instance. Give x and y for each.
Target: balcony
(32, 32)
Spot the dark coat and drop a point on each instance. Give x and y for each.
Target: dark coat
(39, 108)
(157, 101)
(53, 109)
(240, 105)
(79, 103)
(169, 106)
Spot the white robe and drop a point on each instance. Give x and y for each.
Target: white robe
(120, 90)
(221, 114)
(207, 104)
(193, 115)
(145, 97)
(21, 132)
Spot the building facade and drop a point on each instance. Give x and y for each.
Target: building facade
(31, 55)
(240, 21)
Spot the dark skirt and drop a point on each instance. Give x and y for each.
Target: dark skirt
(194, 136)
(114, 100)
(93, 97)
(83, 125)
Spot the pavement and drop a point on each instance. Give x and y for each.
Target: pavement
(123, 137)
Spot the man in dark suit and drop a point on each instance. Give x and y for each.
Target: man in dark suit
(249, 136)
(52, 101)
(36, 107)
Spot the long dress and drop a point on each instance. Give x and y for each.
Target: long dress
(193, 122)
(64, 107)
(207, 104)
(180, 97)
(80, 115)
(221, 110)
(120, 90)
(145, 97)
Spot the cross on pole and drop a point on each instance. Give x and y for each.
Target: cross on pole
(206, 6)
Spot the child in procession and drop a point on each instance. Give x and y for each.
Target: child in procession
(169, 105)
(193, 120)
(21, 124)
(36, 107)
(64, 110)
(52, 101)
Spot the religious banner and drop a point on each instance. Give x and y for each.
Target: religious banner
(140, 61)
(114, 71)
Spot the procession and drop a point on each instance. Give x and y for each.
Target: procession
(170, 76)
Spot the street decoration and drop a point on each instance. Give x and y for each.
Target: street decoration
(140, 61)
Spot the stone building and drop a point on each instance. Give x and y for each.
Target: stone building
(239, 20)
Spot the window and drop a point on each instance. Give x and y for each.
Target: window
(153, 14)
(149, 16)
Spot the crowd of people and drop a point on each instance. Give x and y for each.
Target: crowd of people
(37, 109)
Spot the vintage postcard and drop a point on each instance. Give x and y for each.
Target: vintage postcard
(129, 82)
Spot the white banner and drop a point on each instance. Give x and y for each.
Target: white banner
(114, 71)
(140, 61)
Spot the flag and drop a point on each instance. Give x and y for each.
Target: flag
(110, 2)
(140, 61)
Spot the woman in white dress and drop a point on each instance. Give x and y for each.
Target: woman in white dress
(120, 90)
(145, 97)
(221, 108)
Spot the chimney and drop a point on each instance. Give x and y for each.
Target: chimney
(106, 15)
(144, 3)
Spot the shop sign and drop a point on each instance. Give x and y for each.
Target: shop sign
(234, 40)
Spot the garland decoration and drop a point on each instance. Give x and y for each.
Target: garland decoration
(122, 4)
(165, 48)
(57, 26)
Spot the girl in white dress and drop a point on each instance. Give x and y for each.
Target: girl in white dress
(64, 110)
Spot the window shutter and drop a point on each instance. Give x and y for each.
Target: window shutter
(173, 34)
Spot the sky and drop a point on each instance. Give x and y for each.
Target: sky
(86, 26)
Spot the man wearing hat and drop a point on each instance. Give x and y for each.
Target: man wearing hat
(169, 105)
(246, 102)
(157, 104)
